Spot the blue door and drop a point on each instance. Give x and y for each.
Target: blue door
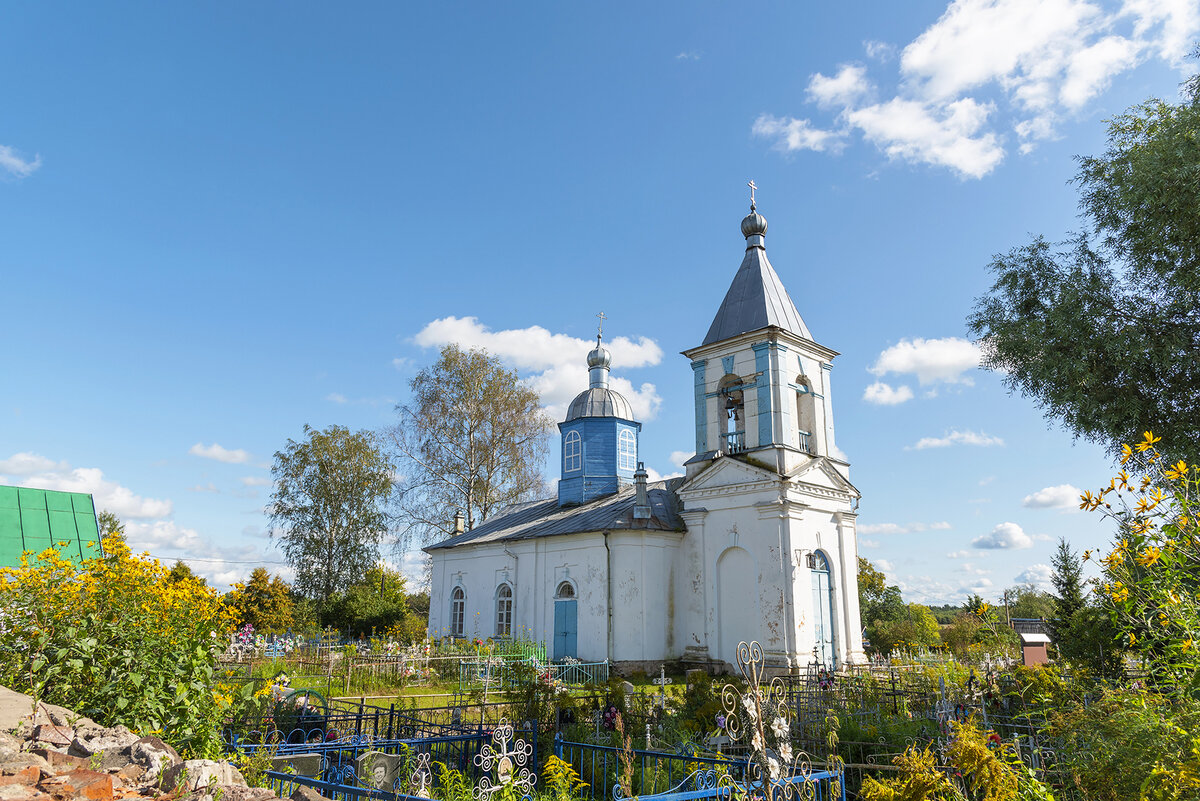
(566, 628)
(825, 650)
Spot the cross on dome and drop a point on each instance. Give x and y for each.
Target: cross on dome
(753, 189)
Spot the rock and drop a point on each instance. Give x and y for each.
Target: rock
(131, 774)
(19, 792)
(52, 735)
(197, 773)
(152, 755)
(80, 784)
(57, 759)
(26, 758)
(306, 793)
(9, 746)
(231, 792)
(29, 776)
(92, 740)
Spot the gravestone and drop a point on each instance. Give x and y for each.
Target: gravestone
(308, 765)
(378, 770)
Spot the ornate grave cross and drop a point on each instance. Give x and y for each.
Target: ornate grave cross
(762, 716)
(422, 776)
(662, 681)
(508, 757)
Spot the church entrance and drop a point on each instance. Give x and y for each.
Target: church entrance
(738, 605)
(566, 621)
(823, 633)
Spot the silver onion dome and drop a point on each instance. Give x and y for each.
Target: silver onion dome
(599, 402)
(599, 357)
(754, 224)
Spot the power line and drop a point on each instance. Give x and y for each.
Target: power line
(224, 561)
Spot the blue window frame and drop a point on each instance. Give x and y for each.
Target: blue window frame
(627, 450)
(572, 452)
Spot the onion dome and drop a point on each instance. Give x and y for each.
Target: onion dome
(598, 400)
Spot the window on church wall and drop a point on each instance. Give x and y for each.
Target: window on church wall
(458, 610)
(572, 452)
(504, 606)
(565, 591)
(806, 417)
(733, 406)
(627, 450)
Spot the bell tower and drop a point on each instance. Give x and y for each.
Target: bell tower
(761, 382)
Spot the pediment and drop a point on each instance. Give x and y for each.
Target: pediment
(820, 472)
(729, 472)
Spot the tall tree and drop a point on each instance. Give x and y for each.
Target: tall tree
(110, 525)
(471, 440)
(1067, 579)
(1103, 330)
(262, 601)
(329, 507)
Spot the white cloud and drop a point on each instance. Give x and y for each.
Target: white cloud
(988, 66)
(794, 134)
(687, 55)
(970, 569)
(882, 394)
(1004, 536)
(896, 528)
(958, 554)
(653, 475)
(23, 464)
(217, 453)
(949, 136)
(401, 362)
(255, 481)
(107, 495)
(883, 565)
(677, 458)
(1062, 496)
(557, 361)
(978, 439)
(868, 543)
(336, 397)
(209, 487)
(1038, 575)
(930, 360)
(15, 165)
(843, 89)
(161, 534)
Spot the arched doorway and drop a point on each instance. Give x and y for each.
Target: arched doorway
(737, 603)
(824, 633)
(566, 621)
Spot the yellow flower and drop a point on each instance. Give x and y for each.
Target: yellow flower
(1147, 443)
(1123, 479)
(1132, 639)
(1187, 645)
(1149, 556)
(1177, 470)
(1126, 453)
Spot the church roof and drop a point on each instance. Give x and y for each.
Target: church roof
(545, 518)
(756, 298)
(599, 402)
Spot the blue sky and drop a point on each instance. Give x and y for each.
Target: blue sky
(220, 224)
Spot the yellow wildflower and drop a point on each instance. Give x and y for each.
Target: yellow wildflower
(1147, 443)
(1126, 453)
(1132, 639)
(1177, 470)
(1123, 479)
(1086, 497)
(1149, 556)
(1187, 645)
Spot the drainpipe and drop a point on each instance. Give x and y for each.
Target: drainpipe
(608, 595)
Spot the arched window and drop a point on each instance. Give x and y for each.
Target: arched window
(504, 601)
(627, 450)
(806, 418)
(458, 609)
(733, 402)
(565, 591)
(572, 459)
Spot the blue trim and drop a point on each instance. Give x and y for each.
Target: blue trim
(698, 369)
(727, 364)
(762, 365)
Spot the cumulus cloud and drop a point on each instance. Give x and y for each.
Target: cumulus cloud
(27, 463)
(956, 437)
(209, 487)
(255, 481)
(868, 543)
(217, 453)
(110, 495)
(896, 528)
(16, 165)
(932, 361)
(1062, 496)
(882, 394)
(790, 133)
(1004, 537)
(554, 364)
(958, 554)
(884, 566)
(677, 458)
(986, 68)
(1037, 575)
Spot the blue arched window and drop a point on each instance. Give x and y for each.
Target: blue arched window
(572, 452)
(627, 450)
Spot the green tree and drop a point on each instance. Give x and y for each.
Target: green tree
(916, 625)
(879, 604)
(329, 507)
(1027, 601)
(370, 606)
(471, 440)
(110, 525)
(182, 571)
(1103, 330)
(1067, 579)
(263, 602)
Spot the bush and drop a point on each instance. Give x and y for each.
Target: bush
(117, 639)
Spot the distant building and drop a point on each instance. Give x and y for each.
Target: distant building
(756, 542)
(35, 519)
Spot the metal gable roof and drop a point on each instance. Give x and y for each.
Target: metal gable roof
(34, 519)
(545, 518)
(756, 299)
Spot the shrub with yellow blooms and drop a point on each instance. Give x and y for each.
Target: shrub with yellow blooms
(1151, 579)
(118, 640)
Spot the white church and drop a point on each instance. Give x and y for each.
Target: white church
(756, 542)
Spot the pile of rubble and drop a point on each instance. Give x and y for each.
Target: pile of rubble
(54, 755)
